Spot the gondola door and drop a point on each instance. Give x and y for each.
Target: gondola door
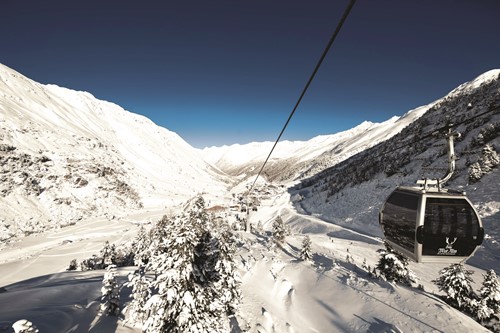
(451, 228)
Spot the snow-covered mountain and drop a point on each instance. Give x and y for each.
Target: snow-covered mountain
(351, 192)
(65, 155)
(298, 159)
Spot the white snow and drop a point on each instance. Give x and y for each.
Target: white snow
(81, 135)
(281, 293)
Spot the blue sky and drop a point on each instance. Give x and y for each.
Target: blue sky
(224, 72)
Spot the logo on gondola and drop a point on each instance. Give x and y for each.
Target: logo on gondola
(448, 250)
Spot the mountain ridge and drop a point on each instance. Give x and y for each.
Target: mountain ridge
(66, 155)
(350, 193)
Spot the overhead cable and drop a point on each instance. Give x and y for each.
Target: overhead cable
(327, 48)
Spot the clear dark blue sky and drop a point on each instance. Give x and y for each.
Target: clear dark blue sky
(224, 72)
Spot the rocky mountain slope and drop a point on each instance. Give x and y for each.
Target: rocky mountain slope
(65, 155)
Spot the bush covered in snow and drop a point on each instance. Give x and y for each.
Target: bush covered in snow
(24, 326)
(393, 267)
(108, 255)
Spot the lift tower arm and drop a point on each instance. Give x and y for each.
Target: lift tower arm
(450, 136)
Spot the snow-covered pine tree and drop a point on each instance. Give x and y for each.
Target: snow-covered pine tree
(186, 298)
(488, 160)
(73, 265)
(158, 234)
(198, 214)
(393, 266)
(24, 326)
(206, 256)
(140, 245)
(124, 256)
(305, 251)
(108, 254)
(489, 297)
(259, 228)
(136, 309)
(90, 263)
(171, 262)
(456, 282)
(110, 292)
(228, 283)
(475, 173)
(279, 231)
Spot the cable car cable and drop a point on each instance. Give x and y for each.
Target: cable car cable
(327, 48)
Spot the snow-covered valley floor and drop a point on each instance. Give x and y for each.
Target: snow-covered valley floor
(280, 292)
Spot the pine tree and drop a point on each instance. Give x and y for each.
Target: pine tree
(136, 309)
(198, 214)
(186, 296)
(110, 292)
(456, 282)
(279, 232)
(259, 229)
(172, 264)
(489, 297)
(72, 265)
(489, 158)
(124, 256)
(206, 257)
(108, 255)
(228, 284)
(140, 246)
(393, 266)
(475, 172)
(158, 235)
(305, 251)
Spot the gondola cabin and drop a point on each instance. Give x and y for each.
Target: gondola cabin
(429, 225)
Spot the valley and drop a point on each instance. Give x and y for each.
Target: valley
(77, 172)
